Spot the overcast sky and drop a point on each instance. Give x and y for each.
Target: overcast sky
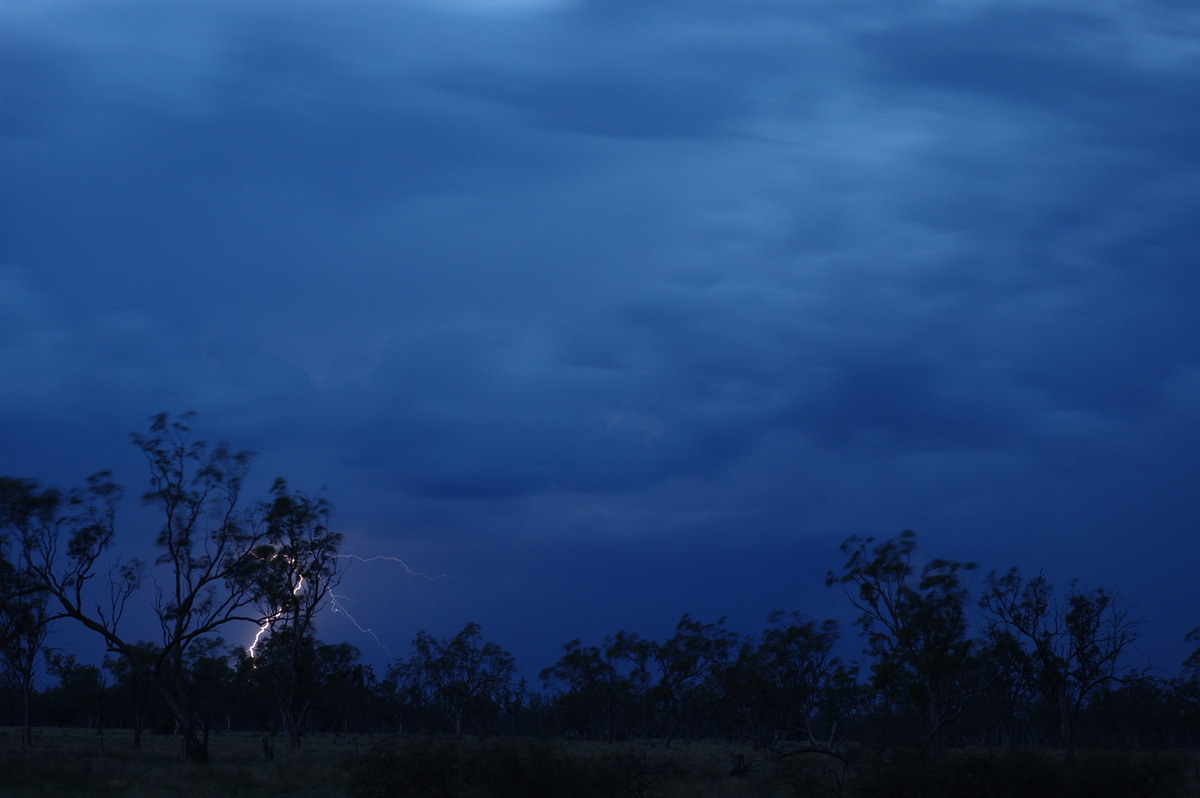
(613, 310)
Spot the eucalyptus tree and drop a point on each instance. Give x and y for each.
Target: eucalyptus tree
(806, 689)
(1071, 646)
(208, 572)
(685, 663)
(24, 618)
(589, 690)
(132, 693)
(915, 623)
(24, 626)
(81, 689)
(299, 567)
(464, 676)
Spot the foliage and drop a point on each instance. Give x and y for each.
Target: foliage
(1068, 649)
(211, 566)
(916, 626)
(464, 677)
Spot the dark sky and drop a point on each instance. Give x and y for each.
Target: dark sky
(611, 310)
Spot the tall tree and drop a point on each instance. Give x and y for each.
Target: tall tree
(1072, 647)
(23, 629)
(684, 663)
(915, 624)
(300, 568)
(24, 619)
(208, 572)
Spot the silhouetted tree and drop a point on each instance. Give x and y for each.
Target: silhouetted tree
(915, 624)
(463, 676)
(24, 619)
(210, 559)
(80, 687)
(300, 567)
(590, 691)
(806, 690)
(1004, 707)
(130, 689)
(684, 663)
(1071, 648)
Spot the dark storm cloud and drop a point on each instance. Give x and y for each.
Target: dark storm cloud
(587, 271)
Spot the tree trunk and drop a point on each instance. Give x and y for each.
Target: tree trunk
(27, 715)
(1065, 730)
(194, 748)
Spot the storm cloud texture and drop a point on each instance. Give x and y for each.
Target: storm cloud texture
(615, 310)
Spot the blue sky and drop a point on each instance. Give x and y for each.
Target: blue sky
(614, 310)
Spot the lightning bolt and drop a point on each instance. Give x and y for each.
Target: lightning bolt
(336, 605)
(337, 602)
(407, 570)
(267, 622)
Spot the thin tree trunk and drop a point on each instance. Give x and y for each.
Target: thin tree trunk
(27, 715)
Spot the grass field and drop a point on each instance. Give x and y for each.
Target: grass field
(81, 764)
(76, 763)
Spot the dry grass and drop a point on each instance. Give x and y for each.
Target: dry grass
(81, 764)
(75, 763)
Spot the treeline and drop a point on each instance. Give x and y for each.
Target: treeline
(784, 689)
(1017, 663)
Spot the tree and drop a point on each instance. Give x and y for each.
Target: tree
(23, 630)
(207, 575)
(805, 686)
(1071, 647)
(24, 620)
(80, 687)
(915, 624)
(130, 689)
(464, 676)
(300, 567)
(684, 662)
(591, 690)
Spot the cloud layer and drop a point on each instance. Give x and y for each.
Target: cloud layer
(586, 273)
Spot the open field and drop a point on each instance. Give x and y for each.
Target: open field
(77, 763)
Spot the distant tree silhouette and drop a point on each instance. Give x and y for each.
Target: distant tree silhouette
(1071, 647)
(915, 624)
(591, 692)
(24, 619)
(131, 691)
(684, 663)
(81, 687)
(804, 689)
(464, 676)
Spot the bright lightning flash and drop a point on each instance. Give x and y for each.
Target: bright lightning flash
(269, 621)
(336, 601)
